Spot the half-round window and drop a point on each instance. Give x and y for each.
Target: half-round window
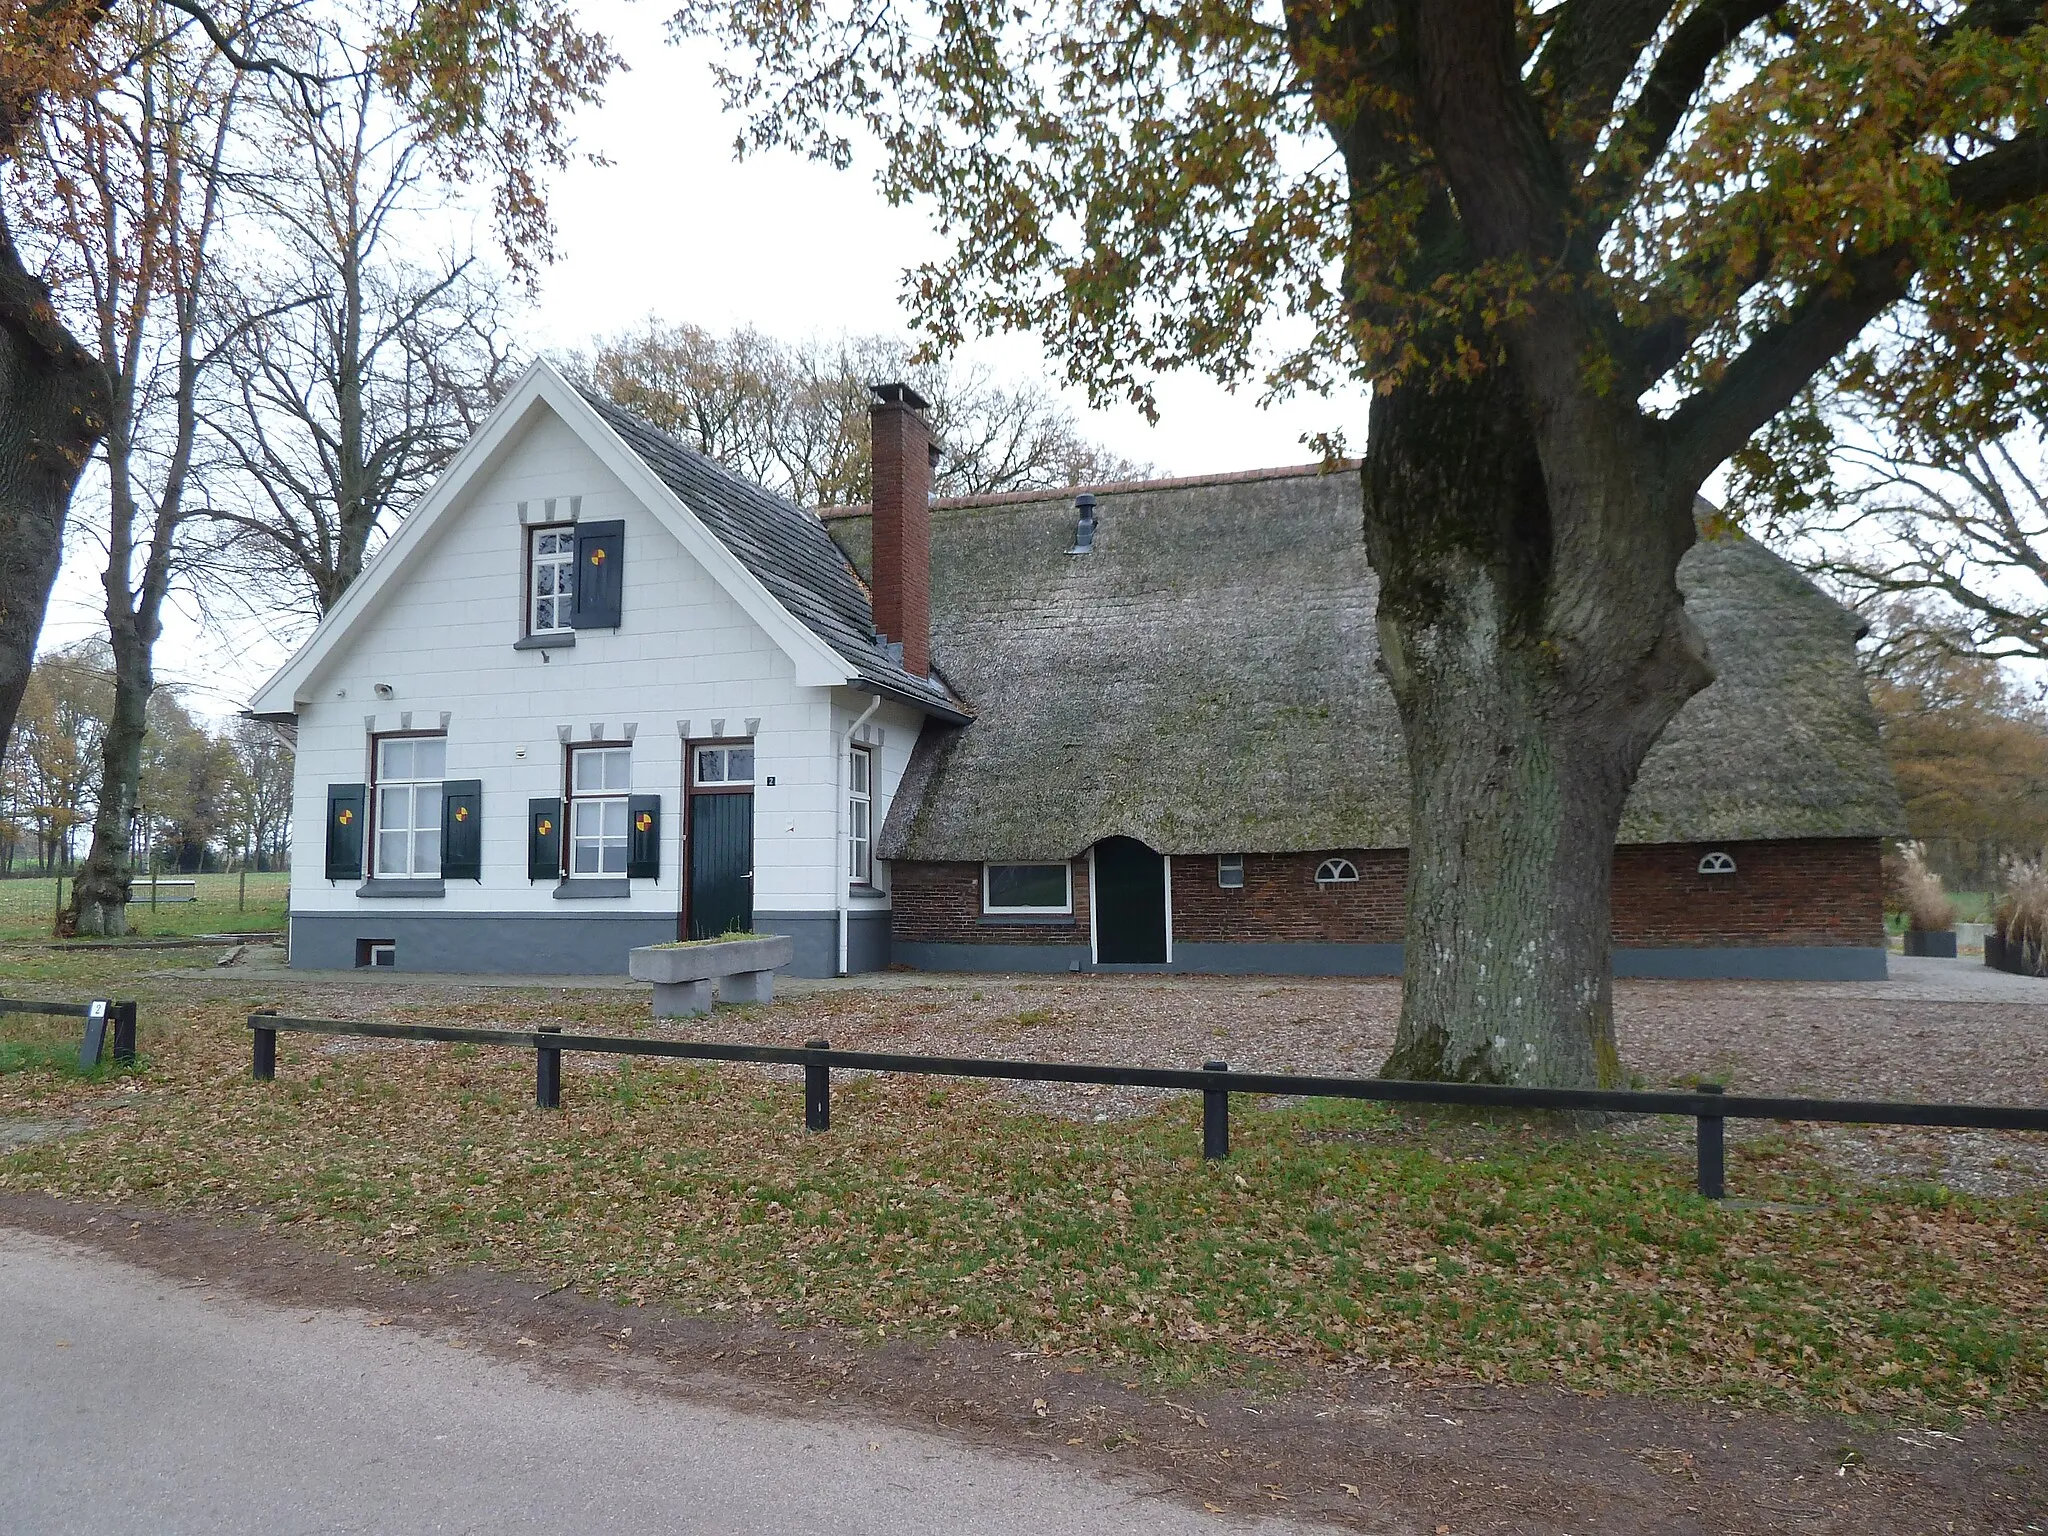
(1717, 863)
(1336, 872)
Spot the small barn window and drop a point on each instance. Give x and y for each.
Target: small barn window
(1336, 872)
(1027, 889)
(1230, 871)
(1717, 863)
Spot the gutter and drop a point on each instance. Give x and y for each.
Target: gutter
(925, 702)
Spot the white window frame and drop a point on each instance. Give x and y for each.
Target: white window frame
(724, 749)
(1227, 865)
(1718, 862)
(380, 782)
(1337, 871)
(860, 816)
(562, 561)
(584, 802)
(989, 909)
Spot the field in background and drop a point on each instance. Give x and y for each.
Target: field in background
(27, 907)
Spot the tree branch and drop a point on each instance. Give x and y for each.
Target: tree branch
(1586, 61)
(1770, 372)
(223, 40)
(1675, 80)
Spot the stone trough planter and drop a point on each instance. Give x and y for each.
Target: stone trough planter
(685, 975)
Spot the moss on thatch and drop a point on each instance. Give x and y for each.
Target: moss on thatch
(1204, 681)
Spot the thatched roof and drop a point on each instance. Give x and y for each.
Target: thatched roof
(1204, 682)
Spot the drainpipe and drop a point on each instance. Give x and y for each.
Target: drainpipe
(839, 897)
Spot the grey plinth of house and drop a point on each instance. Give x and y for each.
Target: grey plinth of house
(684, 975)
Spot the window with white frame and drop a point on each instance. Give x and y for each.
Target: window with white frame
(599, 778)
(1336, 872)
(725, 767)
(1230, 871)
(409, 771)
(1027, 890)
(860, 805)
(551, 584)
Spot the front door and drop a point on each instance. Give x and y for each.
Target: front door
(721, 864)
(1130, 903)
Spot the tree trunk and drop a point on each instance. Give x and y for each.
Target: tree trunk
(1531, 681)
(53, 409)
(100, 891)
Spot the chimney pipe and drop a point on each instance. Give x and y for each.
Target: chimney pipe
(1084, 526)
(902, 573)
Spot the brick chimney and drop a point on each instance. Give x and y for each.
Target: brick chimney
(902, 574)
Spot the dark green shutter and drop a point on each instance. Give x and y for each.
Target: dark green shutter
(600, 575)
(543, 839)
(643, 837)
(462, 829)
(345, 807)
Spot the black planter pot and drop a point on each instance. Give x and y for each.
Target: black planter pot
(1994, 951)
(1932, 946)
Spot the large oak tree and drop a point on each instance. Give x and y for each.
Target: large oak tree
(1584, 250)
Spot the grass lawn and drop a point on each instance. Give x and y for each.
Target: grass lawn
(1334, 1235)
(28, 906)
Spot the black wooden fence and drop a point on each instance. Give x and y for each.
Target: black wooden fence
(1708, 1105)
(97, 1015)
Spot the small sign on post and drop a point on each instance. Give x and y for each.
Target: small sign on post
(95, 1041)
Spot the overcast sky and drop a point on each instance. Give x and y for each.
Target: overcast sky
(672, 226)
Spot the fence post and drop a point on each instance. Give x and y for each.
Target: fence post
(262, 1048)
(94, 1042)
(547, 1072)
(817, 1090)
(1712, 1151)
(124, 1034)
(1215, 1115)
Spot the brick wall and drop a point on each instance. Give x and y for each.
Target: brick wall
(1281, 903)
(941, 904)
(1820, 891)
(1810, 892)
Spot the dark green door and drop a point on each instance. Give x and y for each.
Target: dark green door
(721, 865)
(1130, 903)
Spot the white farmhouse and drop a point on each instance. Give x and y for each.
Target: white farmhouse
(596, 693)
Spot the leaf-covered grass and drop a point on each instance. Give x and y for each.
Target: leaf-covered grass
(27, 908)
(1334, 1233)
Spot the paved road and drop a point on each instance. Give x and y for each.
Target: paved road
(130, 1403)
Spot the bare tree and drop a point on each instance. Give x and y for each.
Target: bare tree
(359, 371)
(132, 200)
(262, 792)
(794, 416)
(1959, 530)
(53, 759)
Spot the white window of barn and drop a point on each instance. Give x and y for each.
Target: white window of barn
(1336, 872)
(599, 778)
(1230, 871)
(409, 771)
(1027, 890)
(551, 582)
(860, 808)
